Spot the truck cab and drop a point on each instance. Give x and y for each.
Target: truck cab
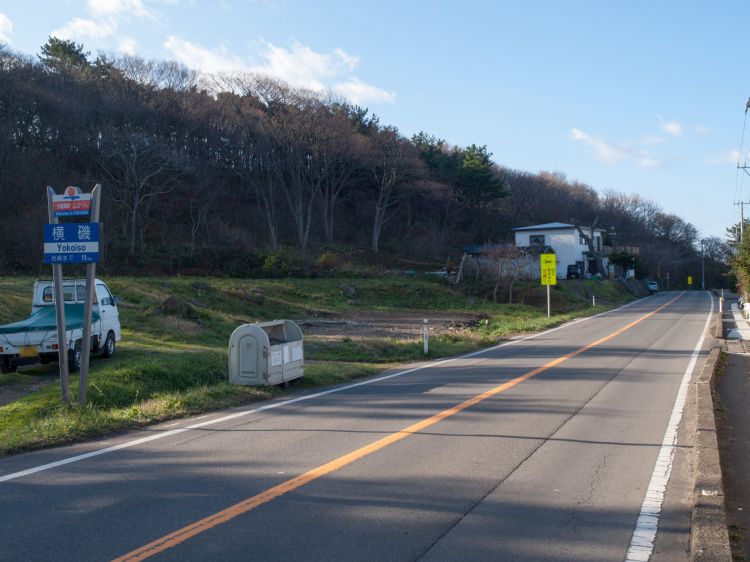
(35, 339)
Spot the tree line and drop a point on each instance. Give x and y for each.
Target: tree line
(210, 173)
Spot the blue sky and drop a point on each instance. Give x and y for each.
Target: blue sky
(641, 97)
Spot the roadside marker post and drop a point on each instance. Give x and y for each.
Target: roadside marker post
(690, 282)
(548, 264)
(426, 336)
(73, 243)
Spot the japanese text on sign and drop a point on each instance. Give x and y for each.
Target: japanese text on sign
(549, 269)
(71, 243)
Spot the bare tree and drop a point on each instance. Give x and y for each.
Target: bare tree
(392, 162)
(140, 168)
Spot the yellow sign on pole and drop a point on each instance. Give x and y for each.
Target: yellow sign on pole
(549, 269)
(690, 279)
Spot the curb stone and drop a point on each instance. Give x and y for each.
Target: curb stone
(709, 538)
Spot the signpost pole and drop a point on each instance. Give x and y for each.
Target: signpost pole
(548, 269)
(88, 306)
(57, 276)
(549, 307)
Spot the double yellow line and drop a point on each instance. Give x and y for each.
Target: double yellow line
(181, 535)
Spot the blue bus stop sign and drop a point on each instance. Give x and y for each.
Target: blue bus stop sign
(71, 243)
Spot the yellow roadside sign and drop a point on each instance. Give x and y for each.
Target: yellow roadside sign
(549, 269)
(690, 279)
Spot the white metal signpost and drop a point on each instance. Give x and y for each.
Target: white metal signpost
(548, 264)
(73, 243)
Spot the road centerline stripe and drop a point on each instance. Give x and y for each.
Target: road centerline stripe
(181, 535)
(281, 403)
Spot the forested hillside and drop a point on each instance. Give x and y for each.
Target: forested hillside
(217, 173)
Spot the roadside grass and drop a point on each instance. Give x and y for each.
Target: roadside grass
(170, 366)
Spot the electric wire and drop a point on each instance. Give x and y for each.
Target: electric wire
(738, 183)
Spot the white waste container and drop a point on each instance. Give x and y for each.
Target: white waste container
(266, 353)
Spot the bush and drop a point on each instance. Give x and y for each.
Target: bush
(328, 261)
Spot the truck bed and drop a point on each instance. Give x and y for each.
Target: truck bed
(44, 319)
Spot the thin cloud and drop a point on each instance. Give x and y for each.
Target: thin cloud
(731, 157)
(200, 58)
(298, 65)
(104, 18)
(127, 46)
(79, 28)
(6, 28)
(673, 128)
(99, 8)
(610, 153)
(359, 92)
(701, 131)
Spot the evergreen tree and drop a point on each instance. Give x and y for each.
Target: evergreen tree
(64, 55)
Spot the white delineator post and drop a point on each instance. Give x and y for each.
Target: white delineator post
(593, 300)
(426, 336)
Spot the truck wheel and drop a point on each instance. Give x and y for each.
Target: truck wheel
(6, 366)
(109, 346)
(74, 359)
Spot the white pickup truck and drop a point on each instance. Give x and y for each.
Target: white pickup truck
(35, 339)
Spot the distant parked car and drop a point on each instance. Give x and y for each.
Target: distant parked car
(652, 286)
(573, 272)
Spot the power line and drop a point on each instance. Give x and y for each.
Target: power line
(739, 182)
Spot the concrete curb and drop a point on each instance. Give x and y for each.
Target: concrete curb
(709, 540)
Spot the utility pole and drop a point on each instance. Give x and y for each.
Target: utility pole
(742, 207)
(703, 269)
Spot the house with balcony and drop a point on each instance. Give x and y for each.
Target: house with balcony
(566, 242)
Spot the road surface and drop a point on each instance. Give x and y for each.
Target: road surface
(544, 449)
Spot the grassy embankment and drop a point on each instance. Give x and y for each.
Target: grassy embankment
(174, 364)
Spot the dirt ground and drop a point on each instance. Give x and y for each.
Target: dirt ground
(14, 386)
(397, 325)
(360, 325)
(733, 425)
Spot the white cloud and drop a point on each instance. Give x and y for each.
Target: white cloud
(79, 28)
(673, 128)
(99, 8)
(200, 58)
(104, 20)
(299, 65)
(732, 157)
(612, 153)
(6, 28)
(127, 45)
(655, 139)
(359, 92)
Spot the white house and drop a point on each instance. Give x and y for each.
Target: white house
(566, 242)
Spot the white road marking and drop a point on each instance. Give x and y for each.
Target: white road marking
(642, 543)
(274, 405)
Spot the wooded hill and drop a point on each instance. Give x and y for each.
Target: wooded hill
(221, 173)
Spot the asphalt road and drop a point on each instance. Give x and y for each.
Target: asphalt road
(553, 465)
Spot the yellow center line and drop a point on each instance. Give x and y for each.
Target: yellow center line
(181, 535)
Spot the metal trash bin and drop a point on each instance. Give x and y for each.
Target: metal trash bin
(266, 353)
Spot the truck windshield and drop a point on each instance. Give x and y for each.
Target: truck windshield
(71, 293)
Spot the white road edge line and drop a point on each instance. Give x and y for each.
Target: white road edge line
(642, 543)
(171, 432)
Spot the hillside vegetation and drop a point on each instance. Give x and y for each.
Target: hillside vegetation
(173, 358)
(230, 174)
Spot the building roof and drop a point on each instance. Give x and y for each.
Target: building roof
(549, 226)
